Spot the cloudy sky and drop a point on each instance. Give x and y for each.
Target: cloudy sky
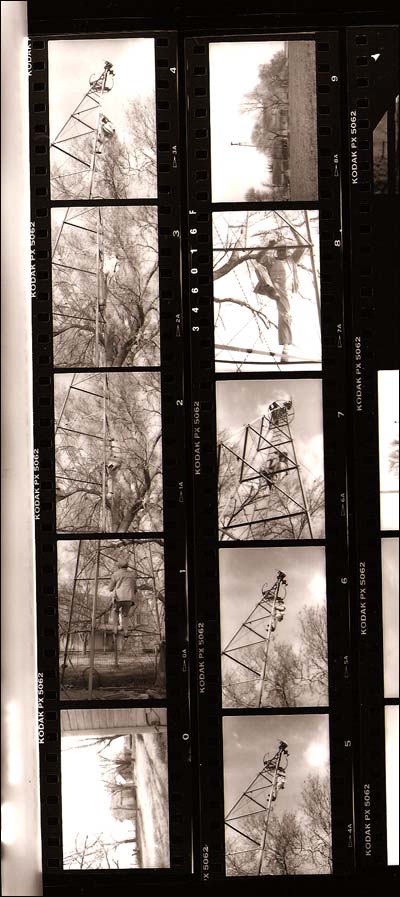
(233, 73)
(241, 401)
(392, 783)
(91, 815)
(244, 570)
(390, 599)
(388, 407)
(248, 738)
(72, 62)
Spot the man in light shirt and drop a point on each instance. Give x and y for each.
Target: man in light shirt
(123, 585)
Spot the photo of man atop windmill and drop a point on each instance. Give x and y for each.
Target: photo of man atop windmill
(267, 303)
(102, 119)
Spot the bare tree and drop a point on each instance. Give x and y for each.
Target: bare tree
(134, 485)
(394, 457)
(252, 510)
(125, 168)
(298, 841)
(129, 322)
(98, 852)
(285, 847)
(314, 636)
(316, 811)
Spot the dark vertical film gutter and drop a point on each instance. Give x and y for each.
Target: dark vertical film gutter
(329, 86)
(371, 81)
(44, 462)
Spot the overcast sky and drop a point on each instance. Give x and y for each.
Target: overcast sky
(388, 406)
(390, 598)
(248, 738)
(85, 801)
(234, 323)
(72, 62)
(233, 73)
(244, 570)
(241, 401)
(392, 783)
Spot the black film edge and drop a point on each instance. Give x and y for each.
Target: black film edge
(167, 208)
(372, 137)
(204, 456)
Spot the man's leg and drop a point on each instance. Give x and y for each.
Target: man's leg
(125, 608)
(284, 325)
(115, 618)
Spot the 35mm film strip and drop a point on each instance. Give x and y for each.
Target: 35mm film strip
(271, 519)
(109, 454)
(373, 123)
(212, 248)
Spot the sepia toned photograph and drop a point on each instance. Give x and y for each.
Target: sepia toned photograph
(105, 287)
(388, 421)
(267, 300)
(111, 619)
(392, 783)
(270, 457)
(263, 112)
(385, 150)
(274, 636)
(108, 452)
(103, 142)
(390, 612)
(277, 795)
(114, 789)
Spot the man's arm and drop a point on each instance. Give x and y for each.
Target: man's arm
(113, 582)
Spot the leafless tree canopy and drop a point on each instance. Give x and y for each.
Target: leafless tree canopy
(133, 496)
(145, 559)
(128, 331)
(246, 510)
(293, 677)
(126, 168)
(394, 457)
(298, 842)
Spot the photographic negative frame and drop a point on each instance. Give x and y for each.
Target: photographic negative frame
(310, 326)
(155, 212)
(239, 385)
(373, 360)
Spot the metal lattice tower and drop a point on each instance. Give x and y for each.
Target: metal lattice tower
(266, 484)
(92, 567)
(82, 136)
(245, 657)
(254, 355)
(104, 438)
(90, 221)
(81, 139)
(250, 816)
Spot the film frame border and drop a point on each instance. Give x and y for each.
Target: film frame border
(173, 535)
(366, 535)
(199, 224)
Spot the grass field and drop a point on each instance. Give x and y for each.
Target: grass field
(152, 799)
(303, 121)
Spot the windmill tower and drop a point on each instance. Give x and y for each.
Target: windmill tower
(245, 657)
(81, 141)
(86, 621)
(63, 433)
(249, 818)
(266, 485)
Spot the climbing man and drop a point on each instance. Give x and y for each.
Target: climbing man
(275, 466)
(276, 271)
(278, 411)
(123, 585)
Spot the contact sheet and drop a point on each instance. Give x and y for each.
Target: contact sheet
(216, 452)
